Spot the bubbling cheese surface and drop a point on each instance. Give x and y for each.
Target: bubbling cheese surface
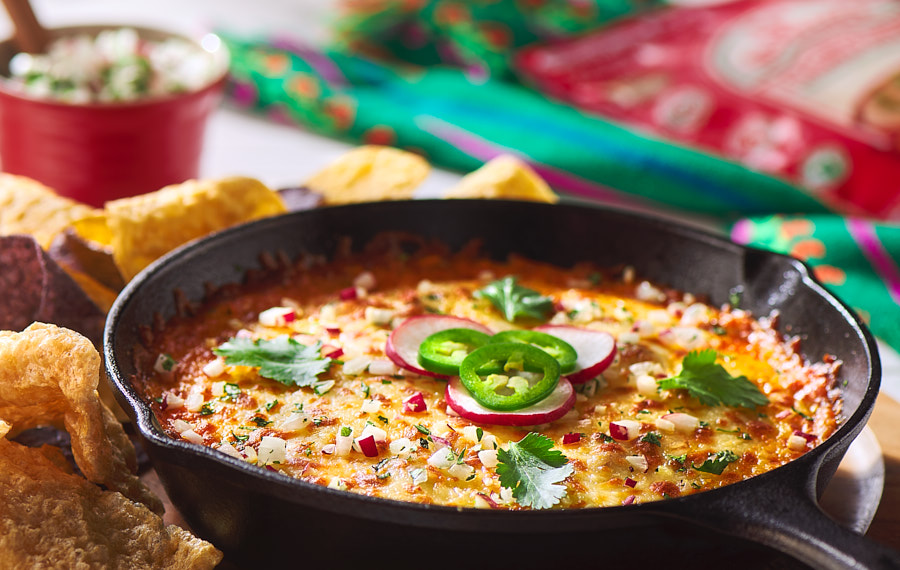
(434, 456)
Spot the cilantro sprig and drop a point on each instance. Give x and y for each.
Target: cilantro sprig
(710, 383)
(282, 359)
(533, 469)
(514, 300)
(717, 463)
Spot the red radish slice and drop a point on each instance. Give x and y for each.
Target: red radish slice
(596, 350)
(547, 410)
(367, 446)
(403, 344)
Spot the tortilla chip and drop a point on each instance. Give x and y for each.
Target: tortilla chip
(53, 519)
(29, 207)
(34, 288)
(370, 174)
(504, 177)
(146, 227)
(49, 376)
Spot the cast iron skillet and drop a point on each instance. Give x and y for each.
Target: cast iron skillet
(259, 517)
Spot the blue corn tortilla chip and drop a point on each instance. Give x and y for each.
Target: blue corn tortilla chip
(34, 288)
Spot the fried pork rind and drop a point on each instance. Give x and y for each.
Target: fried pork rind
(370, 174)
(29, 207)
(50, 518)
(504, 177)
(145, 227)
(49, 376)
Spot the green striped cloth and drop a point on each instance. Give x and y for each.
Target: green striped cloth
(461, 116)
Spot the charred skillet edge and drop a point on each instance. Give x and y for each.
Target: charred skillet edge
(301, 493)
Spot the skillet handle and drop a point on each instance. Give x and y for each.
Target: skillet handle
(787, 517)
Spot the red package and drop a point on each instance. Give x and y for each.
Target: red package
(806, 90)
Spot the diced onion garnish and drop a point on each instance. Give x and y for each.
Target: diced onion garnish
(461, 471)
(696, 314)
(365, 280)
(357, 365)
(630, 482)
(646, 385)
(382, 368)
(295, 422)
(401, 447)
(796, 442)
(194, 437)
(271, 450)
(181, 426)
(337, 483)
(638, 462)
(214, 368)
(665, 425)
(418, 476)
(229, 449)
(194, 402)
(415, 404)
(443, 458)
(488, 458)
(379, 316)
(684, 423)
(647, 292)
(173, 401)
(164, 363)
(370, 406)
(323, 386)
(277, 316)
(343, 444)
(329, 449)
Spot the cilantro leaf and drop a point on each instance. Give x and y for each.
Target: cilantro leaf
(532, 469)
(718, 462)
(282, 358)
(710, 383)
(513, 300)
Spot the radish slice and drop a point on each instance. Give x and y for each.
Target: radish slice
(624, 430)
(596, 350)
(547, 410)
(403, 345)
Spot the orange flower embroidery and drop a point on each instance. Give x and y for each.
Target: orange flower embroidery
(380, 135)
(830, 275)
(808, 249)
(796, 228)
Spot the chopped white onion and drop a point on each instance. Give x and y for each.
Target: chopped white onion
(382, 368)
(471, 433)
(401, 447)
(418, 476)
(214, 368)
(323, 386)
(272, 450)
(639, 462)
(648, 367)
(173, 401)
(647, 292)
(357, 365)
(796, 442)
(194, 402)
(646, 385)
(295, 422)
(379, 316)
(488, 458)
(343, 444)
(229, 449)
(181, 426)
(365, 280)
(665, 425)
(696, 314)
(194, 437)
(276, 316)
(370, 406)
(685, 423)
(217, 389)
(443, 458)
(461, 471)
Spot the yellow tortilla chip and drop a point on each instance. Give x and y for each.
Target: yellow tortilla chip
(49, 375)
(504, 177)
(29, 207)
(370, 174)
(145, 227)
(50, 518)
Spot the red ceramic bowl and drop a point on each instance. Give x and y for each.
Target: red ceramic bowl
(102, 151)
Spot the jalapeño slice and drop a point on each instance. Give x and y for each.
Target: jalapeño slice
(556, 347)
(509, 376)
(443, 351)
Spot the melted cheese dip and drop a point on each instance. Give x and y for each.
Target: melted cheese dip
(352, 305)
